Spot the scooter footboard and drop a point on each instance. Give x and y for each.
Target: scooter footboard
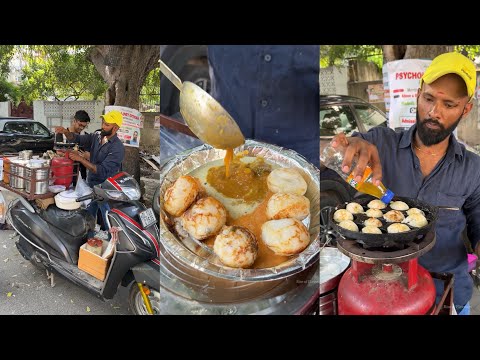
(147, 273)
(127, 256)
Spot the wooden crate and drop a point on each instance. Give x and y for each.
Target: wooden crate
(92, 263)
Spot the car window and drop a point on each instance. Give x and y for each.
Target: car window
(369, 116)
(335, 119)
(39, 129)
(17, 128)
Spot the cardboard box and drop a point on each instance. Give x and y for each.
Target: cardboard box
(92, 263)
(45, 203)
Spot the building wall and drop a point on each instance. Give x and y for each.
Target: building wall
(468, 130)
(150, 137)
(333, 81)
(361, 71)
(59, 113)
(359, 89)
(5, 108)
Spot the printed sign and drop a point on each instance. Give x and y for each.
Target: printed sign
(129, 132)
(375, 93)
(402, 80)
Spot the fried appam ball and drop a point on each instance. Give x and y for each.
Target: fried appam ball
(375, 213)
(285, 236)
(204, 218)
(372, 222)
(341, 215)
(354, 208)
(376, 204)
(286, 180)
(397, 228)
(236, 247)
(394, 216)
(415, 211)
(416, 220)
(283, 205)
(371, 230)
(181, 195)
(399, 205)
(349, 225)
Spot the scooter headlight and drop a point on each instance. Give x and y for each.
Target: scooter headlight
(116, 195)
(132, 193)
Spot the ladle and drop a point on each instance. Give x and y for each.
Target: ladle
(207, 119)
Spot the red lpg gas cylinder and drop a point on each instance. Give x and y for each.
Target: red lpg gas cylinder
(62, 169)
(386, 289)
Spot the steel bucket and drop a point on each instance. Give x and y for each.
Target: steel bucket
(332, 266)
(18, 173)
(40, 170)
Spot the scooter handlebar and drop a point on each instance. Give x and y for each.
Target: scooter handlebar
(86, 197)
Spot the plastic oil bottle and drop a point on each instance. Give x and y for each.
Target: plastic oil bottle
(333, 157)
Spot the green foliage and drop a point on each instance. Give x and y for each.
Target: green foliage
(6, 54)
(150, 93)
(470, 51)
(338, 55)
(9, 91)
(59, 72)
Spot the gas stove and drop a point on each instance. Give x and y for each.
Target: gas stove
(389, 280)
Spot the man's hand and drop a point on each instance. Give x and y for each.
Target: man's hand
(75, 156)
(60, 130)
(85, 154)
(78, 152)
(365, 153)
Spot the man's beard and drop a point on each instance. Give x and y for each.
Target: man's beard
(434, 136)
(106, 133)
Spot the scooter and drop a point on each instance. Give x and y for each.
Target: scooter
(52, 239)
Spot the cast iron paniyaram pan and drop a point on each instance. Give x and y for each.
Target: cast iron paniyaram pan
(385, 239)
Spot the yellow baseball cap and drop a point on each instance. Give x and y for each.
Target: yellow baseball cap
(452, 63)
(113, 117)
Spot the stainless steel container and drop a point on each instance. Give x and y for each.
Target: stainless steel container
(18, 173)
(329, 303)
(25, 155)
(192, 281)
(332, 266)
(196, 255)
(40, 170)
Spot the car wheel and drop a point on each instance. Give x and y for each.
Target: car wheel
(197, 74)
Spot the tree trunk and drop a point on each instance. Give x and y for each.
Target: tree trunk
(399, 52)
(125, 68)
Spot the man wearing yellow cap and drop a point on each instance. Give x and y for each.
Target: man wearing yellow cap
(426, 162)
(106, 149)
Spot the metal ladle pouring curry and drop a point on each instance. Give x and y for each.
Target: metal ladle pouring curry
(207, 119)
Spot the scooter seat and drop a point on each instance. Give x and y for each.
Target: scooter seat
(73, 222)
(71, 226)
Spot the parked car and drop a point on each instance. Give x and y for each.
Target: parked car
(340, 113)
(18, 134)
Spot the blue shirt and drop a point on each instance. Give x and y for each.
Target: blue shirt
(107, 157)
(272, 92)
(454, 182)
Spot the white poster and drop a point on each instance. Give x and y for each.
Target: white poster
(401, 81)
(129, 132)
